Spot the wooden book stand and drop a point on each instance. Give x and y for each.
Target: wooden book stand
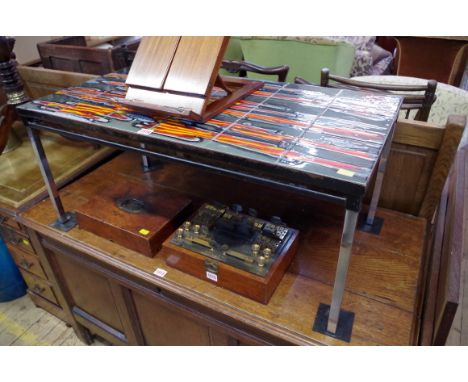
(175, 76)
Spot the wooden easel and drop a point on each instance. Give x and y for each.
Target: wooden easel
(175, 76)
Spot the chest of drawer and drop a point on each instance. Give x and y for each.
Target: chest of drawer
(38, 286)
(10, 222)
(14, 238)
(27, 261)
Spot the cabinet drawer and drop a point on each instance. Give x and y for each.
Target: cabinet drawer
(11, 222)
(38, 286)
(27, 262)
(16, 238)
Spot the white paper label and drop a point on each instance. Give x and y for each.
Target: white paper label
(160, 272)
(145, 131)
(212, 276)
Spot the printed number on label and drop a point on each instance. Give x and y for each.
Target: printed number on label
(145, 131)
(160, 272)
(212, 276)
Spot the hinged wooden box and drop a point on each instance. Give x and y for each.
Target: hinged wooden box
(135, 216)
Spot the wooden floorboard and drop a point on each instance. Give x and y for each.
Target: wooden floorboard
(22, 323)
(17, 321)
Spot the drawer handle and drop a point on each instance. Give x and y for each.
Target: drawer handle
(15, 240)
(25, 264)
(38, 289)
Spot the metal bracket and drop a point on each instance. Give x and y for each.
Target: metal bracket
(344, 328)
(66, 222)
(211, 266)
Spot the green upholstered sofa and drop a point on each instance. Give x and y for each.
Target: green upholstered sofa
(305, 56)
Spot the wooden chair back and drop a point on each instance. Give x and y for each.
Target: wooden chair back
(242, 67)
(418, 165)
(420, 102)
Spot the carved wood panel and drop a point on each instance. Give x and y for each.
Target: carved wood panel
(90, 292)
(406, 179)
(163, 324)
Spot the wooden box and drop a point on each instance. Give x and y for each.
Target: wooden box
(157, 214)
(243, 282)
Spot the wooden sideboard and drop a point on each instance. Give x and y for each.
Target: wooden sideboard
(112, 292)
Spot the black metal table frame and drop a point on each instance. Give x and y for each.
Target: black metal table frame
(337, 320)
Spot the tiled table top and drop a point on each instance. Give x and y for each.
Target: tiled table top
(317, 137)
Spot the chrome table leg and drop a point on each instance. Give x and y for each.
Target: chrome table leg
(147, 163)
(347, 238)
(66, 220)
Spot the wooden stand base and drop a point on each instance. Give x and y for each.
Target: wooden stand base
(168, 105)
(242, 282)
(132, 215)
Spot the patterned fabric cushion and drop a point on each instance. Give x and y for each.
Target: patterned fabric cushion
(383, 66)
(450, 100)
(359, 42)
(362, 65)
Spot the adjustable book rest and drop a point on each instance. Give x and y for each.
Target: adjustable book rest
(175, 76)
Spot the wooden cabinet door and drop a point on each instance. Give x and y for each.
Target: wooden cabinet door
(93, 298)
(163, 323)
(90, 292)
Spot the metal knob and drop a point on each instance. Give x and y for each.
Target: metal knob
(25, 264)
(255, 249)
(187, 225)
(267, 252)
(180, 233)
(261, 261)
(196, 229)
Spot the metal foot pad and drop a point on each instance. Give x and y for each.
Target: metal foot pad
(344, 327)
(65, 224)
(374, 228)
